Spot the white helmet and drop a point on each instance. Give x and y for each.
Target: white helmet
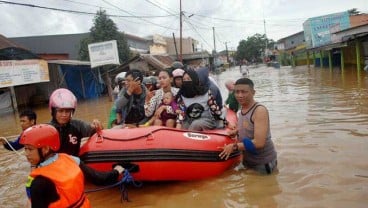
(120, 77)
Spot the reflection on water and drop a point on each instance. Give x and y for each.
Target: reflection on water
(319, 121)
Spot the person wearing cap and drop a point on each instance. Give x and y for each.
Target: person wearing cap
(119, 84)
(56, 179)
(177, 65)
(178, 77)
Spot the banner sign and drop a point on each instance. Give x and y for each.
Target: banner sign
(103, 53)
(21, 72)
(318, 30)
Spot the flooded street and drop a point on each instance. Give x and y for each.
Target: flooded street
(319, 124)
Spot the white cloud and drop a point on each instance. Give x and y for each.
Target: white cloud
(283, 17)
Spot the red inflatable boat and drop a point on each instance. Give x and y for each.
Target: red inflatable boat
(161, 153)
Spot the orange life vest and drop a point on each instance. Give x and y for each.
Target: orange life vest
(68, 180)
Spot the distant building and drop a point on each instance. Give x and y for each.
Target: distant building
(359, 19)
(66, 46)
(10, 50)
(318, 30)
(158, 45)
(189, 45)
(291, 41)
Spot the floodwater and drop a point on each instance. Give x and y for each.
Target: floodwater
(319, 121)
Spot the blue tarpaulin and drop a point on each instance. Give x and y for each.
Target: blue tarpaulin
(83, 81)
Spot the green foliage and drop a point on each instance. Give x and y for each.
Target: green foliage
(253, 47)
(353, 12)
(104, 29)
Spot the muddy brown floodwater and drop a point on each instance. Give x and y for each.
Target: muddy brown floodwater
(319, 123)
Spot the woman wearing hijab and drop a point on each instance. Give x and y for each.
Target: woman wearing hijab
(195, 99)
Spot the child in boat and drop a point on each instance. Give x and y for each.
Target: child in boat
(162, 117)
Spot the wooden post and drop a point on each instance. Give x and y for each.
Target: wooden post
(321, 59)
(357, 49)
(342, 60)
(330, 59)
(314, 58)
(308, 59)
(14, 99)
(82, 83)
(107, 80)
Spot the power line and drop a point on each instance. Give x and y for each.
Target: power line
(156, 5)
(136, 16)
(79, 12)
(86, 4)
(195, 30)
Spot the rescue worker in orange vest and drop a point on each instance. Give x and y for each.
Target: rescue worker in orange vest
(56, 179)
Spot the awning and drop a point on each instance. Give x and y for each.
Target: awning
(329, 47)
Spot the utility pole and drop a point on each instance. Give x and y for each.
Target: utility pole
(264, 25)
(181, 35)
(214, 39)
(214, 50)
(227, 53)
(176, 48)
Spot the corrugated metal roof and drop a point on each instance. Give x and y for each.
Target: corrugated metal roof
(10, 50)
(69, 62)
(152, 60)
(53, 44)
(6, 43)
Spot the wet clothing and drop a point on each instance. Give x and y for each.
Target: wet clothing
(71, 135)
(57, 182)
(156, 100)
(203, 74)
(131, 106)
(266, 157)
(196, 95)
(166, 114)
(15, 144)
(204, 121)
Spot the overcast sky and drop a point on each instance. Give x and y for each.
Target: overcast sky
(233, 20)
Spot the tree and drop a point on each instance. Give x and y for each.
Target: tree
(104, 29)
(353, 12)
(253, 47)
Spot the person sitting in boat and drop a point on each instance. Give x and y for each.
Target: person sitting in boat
(178, 77)
(56, 179)
(119, 84)
(130, 104)
(150, 83)
(215, 91)
(153, 105)
(27, 118)
(196, 100)
(177, 65)
(162, 117)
